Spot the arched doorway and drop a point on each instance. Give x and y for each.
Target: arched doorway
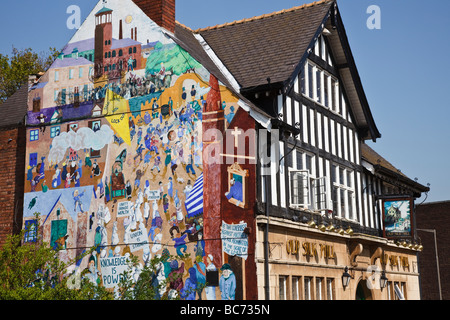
(362, 291)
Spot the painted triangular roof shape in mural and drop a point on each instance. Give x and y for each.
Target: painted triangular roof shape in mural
(275, 46)
(132, 17)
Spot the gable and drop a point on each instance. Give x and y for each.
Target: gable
(330, 49)
(268, 46)
(131, 16)
(320, 81)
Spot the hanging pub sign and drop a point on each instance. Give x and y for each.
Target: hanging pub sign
(397, 217)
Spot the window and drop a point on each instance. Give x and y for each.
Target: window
(310, 81)
(34, 135)
(318, 85)
(321, 87)
(303, 82)
(343, 195)
(389, 288)
(330, 289)
(134, 49)
(33, 159)
(55, 131)
(307, 191)
(130, 50)
(36, 104)
(70, 74)
(326, 93)
(58, 231)
(319, 289)
(299, 188)
(308, 288)
(56, 75)
(85, 92)
(282, 281)
(95, 126)
(63, 96)
(31, 227)
(114, 53)
(120, 52)
(296, 288)
(80, 73)
(334, 95)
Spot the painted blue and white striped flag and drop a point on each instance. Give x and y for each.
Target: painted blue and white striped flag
(194, 202)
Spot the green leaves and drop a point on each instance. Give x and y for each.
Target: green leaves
(15, 69)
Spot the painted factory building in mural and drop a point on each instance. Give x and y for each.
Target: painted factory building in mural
(115, 149)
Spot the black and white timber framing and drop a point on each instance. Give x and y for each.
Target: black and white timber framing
(322, 174)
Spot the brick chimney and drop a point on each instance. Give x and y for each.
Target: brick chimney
(162, 12)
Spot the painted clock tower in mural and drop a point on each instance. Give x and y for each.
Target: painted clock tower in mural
(103, 40)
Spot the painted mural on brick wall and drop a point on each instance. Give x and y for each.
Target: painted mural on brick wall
(114, 149)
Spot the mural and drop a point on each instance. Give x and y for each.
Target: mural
(114, 152)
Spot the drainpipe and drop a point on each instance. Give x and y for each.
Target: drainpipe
(266, 244)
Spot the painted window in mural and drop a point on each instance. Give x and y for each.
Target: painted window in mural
(58, 234)
(31, 231)
(34, 135)
(120, 167)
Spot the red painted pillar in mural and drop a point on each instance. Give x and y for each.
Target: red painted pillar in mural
(213, 131)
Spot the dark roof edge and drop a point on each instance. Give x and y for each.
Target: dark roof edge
(221, 77)
(434, 203)
(289, 83)
(402, 178)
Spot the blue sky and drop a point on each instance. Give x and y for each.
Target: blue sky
(404, 66)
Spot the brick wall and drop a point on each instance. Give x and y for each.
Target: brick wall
(435, 215)
(161, 12)
(12, 175)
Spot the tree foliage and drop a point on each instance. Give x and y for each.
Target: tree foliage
(15, 69)
(34, 271)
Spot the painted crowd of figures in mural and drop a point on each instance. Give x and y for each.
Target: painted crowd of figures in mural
(114, 154)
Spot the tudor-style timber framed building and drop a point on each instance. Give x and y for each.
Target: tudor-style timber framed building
(305, 217)
(319, 210)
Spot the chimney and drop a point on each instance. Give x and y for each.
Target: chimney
(162, 12)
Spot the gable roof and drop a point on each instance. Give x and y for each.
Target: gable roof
(385, 168)
(15, 108)
(277, 45)
(270, 45)
(186, 39)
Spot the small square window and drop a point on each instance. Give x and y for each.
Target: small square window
(55, 131)
(34, 135)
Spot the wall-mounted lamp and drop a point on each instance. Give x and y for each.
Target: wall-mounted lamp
(383, 280)
(346, 278)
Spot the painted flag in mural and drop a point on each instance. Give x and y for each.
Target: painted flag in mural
(116, 111)
(234, 240)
